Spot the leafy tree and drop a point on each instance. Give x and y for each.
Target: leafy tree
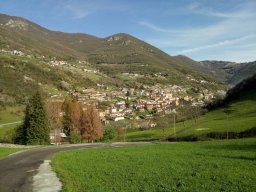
(35, 129)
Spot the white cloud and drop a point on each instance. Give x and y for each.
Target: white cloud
(157, 28)
(83, 8)
(219, 44)
(229, 28)
(77, 12)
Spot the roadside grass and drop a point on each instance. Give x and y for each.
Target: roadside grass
(7, 133)
(242, 116)
(227, 165)
(5, 151)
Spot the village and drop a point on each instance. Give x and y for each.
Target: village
(123, 103)
(142, 103)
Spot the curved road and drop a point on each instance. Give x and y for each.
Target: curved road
(17, 170)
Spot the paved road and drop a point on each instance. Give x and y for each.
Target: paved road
(17, 170)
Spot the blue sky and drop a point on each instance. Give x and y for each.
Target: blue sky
(200, 29)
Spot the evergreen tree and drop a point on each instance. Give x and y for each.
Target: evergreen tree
(35, 129)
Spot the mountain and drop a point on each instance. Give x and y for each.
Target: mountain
(132, 53)
(246, 88)
(231, 72)
(32, 55)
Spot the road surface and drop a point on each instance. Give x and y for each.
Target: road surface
(17, 170)
(12, 123)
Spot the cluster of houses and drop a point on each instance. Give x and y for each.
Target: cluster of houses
(129, 103)
(13, 52)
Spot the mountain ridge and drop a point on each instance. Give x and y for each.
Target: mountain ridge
(82, 60)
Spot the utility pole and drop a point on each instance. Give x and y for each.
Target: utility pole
(174, 122)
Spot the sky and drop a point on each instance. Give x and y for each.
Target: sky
(199, 29)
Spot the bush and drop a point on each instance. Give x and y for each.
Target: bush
(74, 137)
(108, 134)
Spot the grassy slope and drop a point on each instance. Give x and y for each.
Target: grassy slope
(242, 117)
(202, 166)
(128, 54)
(11, 114)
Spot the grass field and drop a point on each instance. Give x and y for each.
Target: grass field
(7, 151)
(7, 133)
(200, 166)
(11, 114)
(242, 116)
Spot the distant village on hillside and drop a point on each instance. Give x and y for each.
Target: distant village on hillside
(129, 103)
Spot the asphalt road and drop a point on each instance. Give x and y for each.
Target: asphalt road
(17, 170)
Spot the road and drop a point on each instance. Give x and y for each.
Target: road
(17, 170)
(12, 123)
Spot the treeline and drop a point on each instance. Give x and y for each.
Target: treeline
(240, 90)
(79, 123)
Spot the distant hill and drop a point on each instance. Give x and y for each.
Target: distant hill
(246, 88)
(231, 72)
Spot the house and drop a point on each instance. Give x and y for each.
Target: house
(57, 137)
(118, 118)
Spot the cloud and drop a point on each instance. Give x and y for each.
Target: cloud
(225, 29)
(82, 8)
(77, 12)
(219, 44)
(156, 28)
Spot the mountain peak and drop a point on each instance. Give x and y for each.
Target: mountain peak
(120, 38)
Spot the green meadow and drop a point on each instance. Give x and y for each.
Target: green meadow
(241, 116)
(227, 165)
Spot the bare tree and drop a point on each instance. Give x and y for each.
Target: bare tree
(54, 111)
(91, 127)
(75, 116)
(121, 133)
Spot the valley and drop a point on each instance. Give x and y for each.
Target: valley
(135, 117)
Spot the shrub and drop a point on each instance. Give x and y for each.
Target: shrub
(109, 134)
(74, 137)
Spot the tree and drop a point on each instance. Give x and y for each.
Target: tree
(91, 127)
(35, 129)
(227, 111)
(72, 116)
(108, 134)
(75, 114)
(121, 133)
(163, 123)
(53, 111)
(66, 106)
